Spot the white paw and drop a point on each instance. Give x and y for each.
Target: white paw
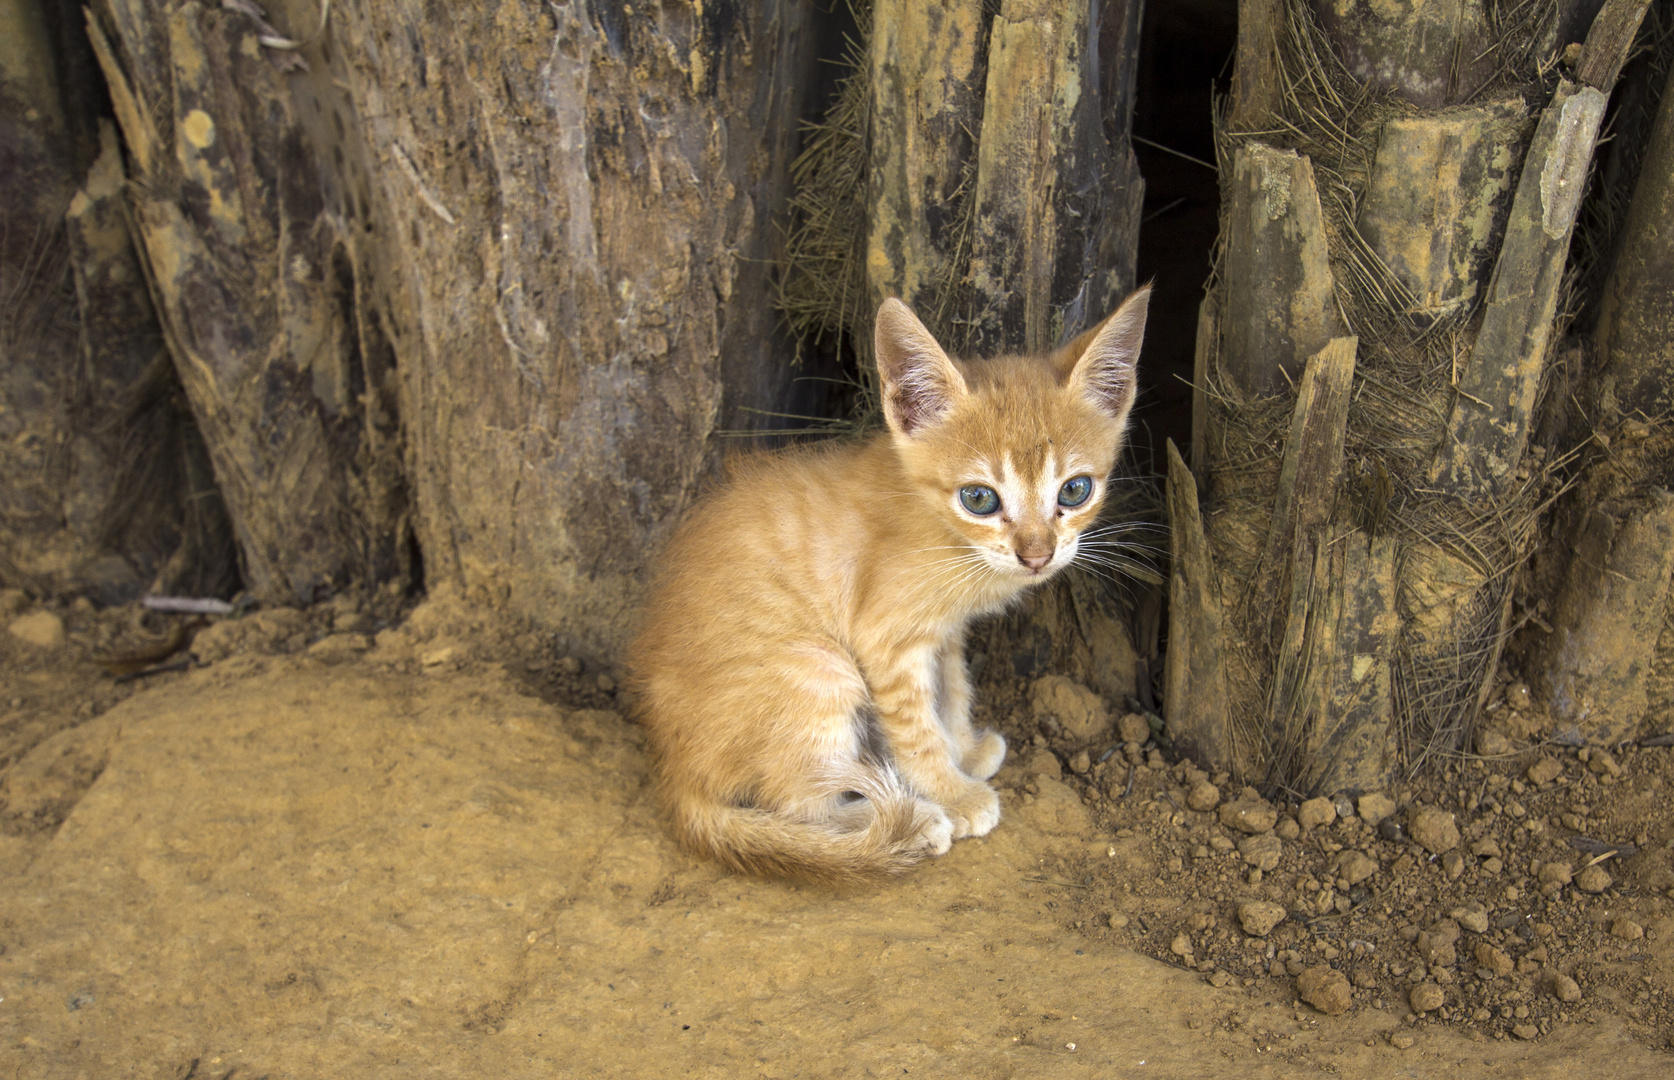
(976, 812)
(936, 833)
(985, 757)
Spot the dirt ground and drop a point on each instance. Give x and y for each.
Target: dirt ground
(337, 847)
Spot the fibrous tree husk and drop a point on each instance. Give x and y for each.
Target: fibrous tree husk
(1426, 209)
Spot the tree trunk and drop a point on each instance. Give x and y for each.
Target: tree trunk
(1368, 499)
(104, 484)
(1602, 667)
(481, 282)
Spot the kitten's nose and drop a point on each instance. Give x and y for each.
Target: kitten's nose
(1035, 556)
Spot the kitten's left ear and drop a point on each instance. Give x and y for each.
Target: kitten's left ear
(1104, 372)
(920, 384)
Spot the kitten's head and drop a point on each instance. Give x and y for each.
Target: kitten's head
(1014, 453)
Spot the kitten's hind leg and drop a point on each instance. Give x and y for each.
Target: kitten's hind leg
(979, 754)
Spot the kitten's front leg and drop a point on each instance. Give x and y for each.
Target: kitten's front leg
(980, 755)
(904, 690)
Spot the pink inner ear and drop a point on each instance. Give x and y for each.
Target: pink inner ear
(1106, 368)
(918, 380)
(919, 394)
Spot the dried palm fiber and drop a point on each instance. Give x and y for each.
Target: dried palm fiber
(1366, 646)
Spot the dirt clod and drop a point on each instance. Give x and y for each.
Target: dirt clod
(1133, 728)
(1493, 960)
(1078, 711)
(1326, 989)
(1262, 851)
(42, 629)
(1356, 866)
(1434, 830)
(1626, 929)
(1594, 879)
(1316, 813)
(1425, 996)
(1374, 806)
(1204, 796)
(1471, 916)
(1249, 815)
(1565, 989)
(1603, 763)
(1259, 917)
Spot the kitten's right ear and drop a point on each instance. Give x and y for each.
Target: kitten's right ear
(920, 384)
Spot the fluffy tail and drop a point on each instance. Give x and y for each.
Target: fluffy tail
(891, 832)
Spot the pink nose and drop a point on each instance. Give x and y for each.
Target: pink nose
(1034, 562)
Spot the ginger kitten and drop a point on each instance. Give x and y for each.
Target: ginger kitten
(801, 669)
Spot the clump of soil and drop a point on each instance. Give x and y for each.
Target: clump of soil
(1503, 897)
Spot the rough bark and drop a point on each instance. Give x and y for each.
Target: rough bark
(1637, 308)
(104, 486)
(1365, 568)
(475, 284)
(1603, 665)
(595, 312)
(1284, 309)
(1435, 203)
(1607, 619)
(253, 276)
(1195, 687)
(1004, 198)
(1489, 427)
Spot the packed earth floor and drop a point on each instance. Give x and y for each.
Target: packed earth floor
(355, 840)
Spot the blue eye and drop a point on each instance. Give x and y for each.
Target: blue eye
(1075, 491)
(979, 499)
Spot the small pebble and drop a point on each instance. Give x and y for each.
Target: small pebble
(1594, 879)
(1425, 997)
(1626, 929)
(1433, 829)
(1259, 917)
(1326, 989)
(1401, 1040)
(1203, 796)
(1316, 813)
